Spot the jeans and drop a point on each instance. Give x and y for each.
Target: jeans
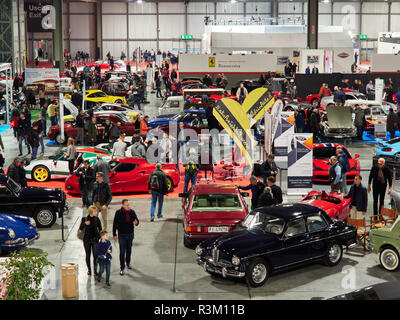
(125, 249)
(15, 130)
(34, 152)
(91, 248)
(360, 132)
(86, 199)
(71, 164)
(392, 133)
(378, 191)
(154, 196)
(44, 122)
(79, 137)
(137, 101)
(158, 93)
(343, 187)
(105, 264)
(41, 144)
(191, 179)
(53, 120)
(23, 138)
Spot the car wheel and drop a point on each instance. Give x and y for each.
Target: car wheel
(333, 255)
(60, 139)
(187, 243)
(170, 185)
(40, 174)
(257, 273)
(45, 217)
(389, 259)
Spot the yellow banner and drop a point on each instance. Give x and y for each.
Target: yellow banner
(257, 102)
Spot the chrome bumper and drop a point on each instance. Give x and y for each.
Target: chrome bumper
(220, 270)
(22, 242)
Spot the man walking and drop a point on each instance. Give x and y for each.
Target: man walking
(158, 187)
(102, 166)
(80, 125)
(39, 125)
(335, 174)
(344, 166)
(22, 131)
(86, 177)
(392, 123)
(380, 176)
(359, 199)
(125, 220)
(257, 188)
(119, 147)
(102, 196)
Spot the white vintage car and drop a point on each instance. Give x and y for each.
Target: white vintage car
(56, 166)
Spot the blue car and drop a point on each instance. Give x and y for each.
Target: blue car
(187, 116)
(390, 148)
(16, 232)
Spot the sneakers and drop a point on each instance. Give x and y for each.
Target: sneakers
(108, 285)
(20, 155)
(98, 279)
(129, 266)
(152, 219)
(89, 273)
(159, 217)
(122, 272)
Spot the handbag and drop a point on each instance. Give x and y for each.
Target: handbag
(81, 233)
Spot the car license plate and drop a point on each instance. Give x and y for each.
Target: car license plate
(218, 229)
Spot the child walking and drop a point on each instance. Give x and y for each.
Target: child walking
(104, 250)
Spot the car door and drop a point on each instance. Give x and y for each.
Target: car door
(124, 179)
(7, 201)
(317, 228)
(295, 246)
(60, 167)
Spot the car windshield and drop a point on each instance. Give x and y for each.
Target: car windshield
(122, 117)
(59, 154)
(216, 202)
(13, 186)
(265, 222)
(326, 152)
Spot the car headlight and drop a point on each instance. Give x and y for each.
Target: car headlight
(11, 233)
(235, 260)
(199, 250)
(32, 222)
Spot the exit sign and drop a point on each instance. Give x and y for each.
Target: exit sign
(363, 36)
(186, 37)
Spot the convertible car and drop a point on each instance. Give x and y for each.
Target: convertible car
(16, 232)
(276, 238)
(321, 154)
(41, 204)
(56, 166)
(210, 210)
(333, 203)
(129, 175)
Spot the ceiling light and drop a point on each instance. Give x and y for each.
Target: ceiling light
(139, 1)
(233, 1)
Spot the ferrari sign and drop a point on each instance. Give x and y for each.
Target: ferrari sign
(211, 62)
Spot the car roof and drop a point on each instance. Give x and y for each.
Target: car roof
(92, 91)
(214, 188)
(194, 111)
(288, 211)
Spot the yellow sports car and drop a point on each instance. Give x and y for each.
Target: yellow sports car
(98, 96)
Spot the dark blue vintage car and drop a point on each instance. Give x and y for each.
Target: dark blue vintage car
(273, 239)
(16, 232)
(41, 204)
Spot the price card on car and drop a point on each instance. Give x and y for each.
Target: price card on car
(218, 229)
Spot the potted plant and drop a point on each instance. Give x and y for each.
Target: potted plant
(22, 275)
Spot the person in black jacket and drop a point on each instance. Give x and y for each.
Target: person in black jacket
(269, 168)
(359, 199)
(257, 188)
(92, 226)
(33, 140)
(80, 125)
(158, 187)
(16, 172)
(125, 220)
(76, 99)
(381, 176)
(22, 131)
(266, 198)
(86, 178)
(102, 196)
(276, 191)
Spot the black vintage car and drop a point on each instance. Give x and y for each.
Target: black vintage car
(42, 204)
(273, 239)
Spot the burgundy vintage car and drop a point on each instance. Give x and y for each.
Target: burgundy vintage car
(333, 203)
(129, 175)
(211, 210)
(71, 130)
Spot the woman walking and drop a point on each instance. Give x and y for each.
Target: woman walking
(92, 226)
(70, 154)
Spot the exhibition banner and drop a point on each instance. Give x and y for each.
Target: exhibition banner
(256, 102)
(300, 163)
(234, 120)
(267, 132)
(42, 78)
(40, 15)
(283, 134)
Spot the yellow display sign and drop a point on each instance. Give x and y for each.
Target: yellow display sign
(211, 62)
(257, 101)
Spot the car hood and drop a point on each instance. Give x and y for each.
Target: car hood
(20, 225)
(339, 117)
(244, 241)
(37, 194)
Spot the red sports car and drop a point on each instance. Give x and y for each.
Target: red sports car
(210, 210)
(129, 175)
(332, 203)
(315, 96)
(321, 154)
(70, 130)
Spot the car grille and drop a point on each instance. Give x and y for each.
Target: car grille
(215, 254)
(340, 130)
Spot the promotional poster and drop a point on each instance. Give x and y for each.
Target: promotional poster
(43, 79)
(300, 164)
(283, 134)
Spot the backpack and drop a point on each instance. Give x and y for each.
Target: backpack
(154, 182)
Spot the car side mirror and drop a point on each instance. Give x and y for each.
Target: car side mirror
(183, 195)
(245, 194)
(356, 156)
